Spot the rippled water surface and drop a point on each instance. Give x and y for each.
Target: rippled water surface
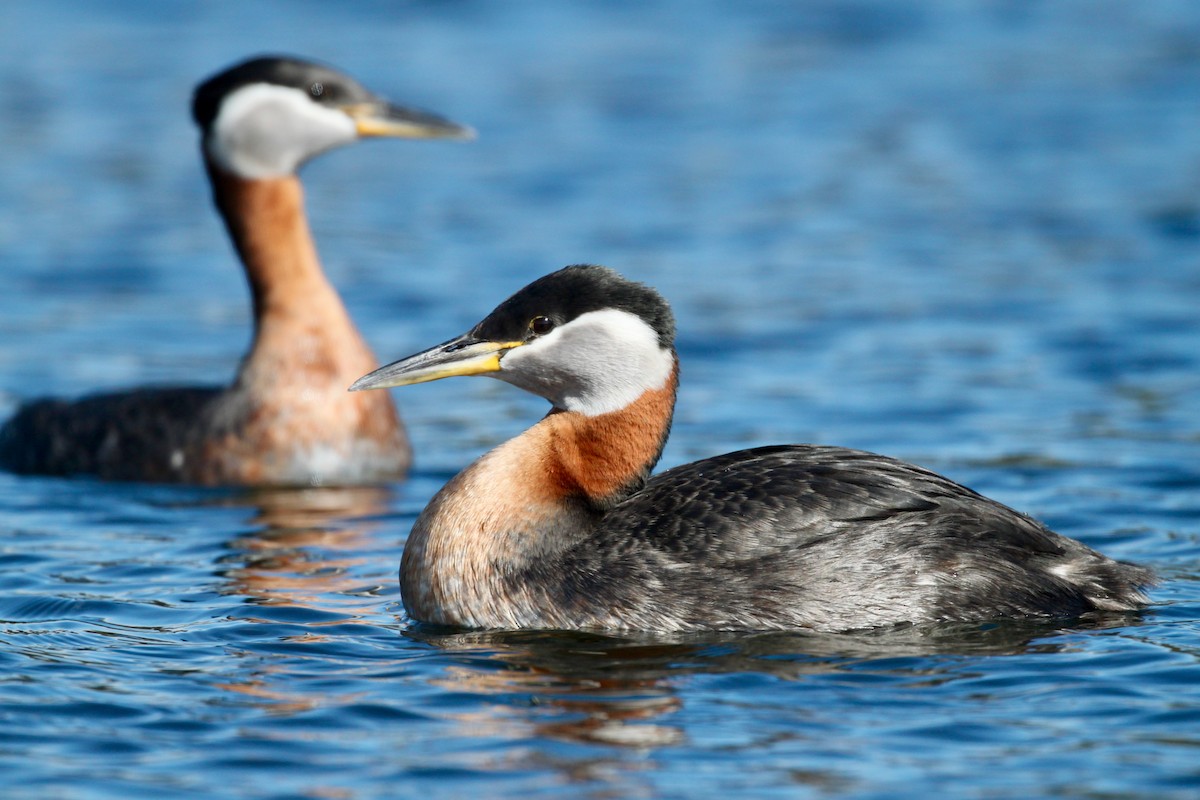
(967, 235)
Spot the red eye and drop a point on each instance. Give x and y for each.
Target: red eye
(541, 325)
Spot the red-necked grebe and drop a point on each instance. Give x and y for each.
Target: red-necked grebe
(287, 419)
(563, 527)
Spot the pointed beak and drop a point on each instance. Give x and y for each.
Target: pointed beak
(464, 355)
(380, 118)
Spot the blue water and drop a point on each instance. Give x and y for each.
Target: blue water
(967, 235)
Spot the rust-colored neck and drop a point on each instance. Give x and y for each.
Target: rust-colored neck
(268, 226)
(297, 312)
(293, 300)
(605, 458)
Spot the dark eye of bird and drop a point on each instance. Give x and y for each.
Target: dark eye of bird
(541, 325)
(317, 89)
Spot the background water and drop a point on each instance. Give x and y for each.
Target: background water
(967, 235)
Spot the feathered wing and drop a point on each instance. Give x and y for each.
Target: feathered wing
(830, 538)
(119, 436)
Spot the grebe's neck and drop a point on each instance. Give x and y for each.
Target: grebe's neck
(266, 221)
(602, 459)
(518, 505)
(289, 398)
(294, 302)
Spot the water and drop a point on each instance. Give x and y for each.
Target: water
(964, 235)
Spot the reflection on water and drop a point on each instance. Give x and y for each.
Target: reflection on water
(268, 687)
(306, 550)
(624, 690)
(305, 546)
(567, 686)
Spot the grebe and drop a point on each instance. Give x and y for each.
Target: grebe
(287, 419)
(563, 527)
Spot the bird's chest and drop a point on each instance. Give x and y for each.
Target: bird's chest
(458, 570)
(255, 438)
(478, 554)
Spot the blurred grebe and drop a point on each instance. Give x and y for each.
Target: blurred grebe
(287, 419)
(563, 527)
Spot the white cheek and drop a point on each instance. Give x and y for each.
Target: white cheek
(596, 364)
(265, 131)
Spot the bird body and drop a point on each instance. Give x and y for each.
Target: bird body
(563, 527)
(286, 419)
